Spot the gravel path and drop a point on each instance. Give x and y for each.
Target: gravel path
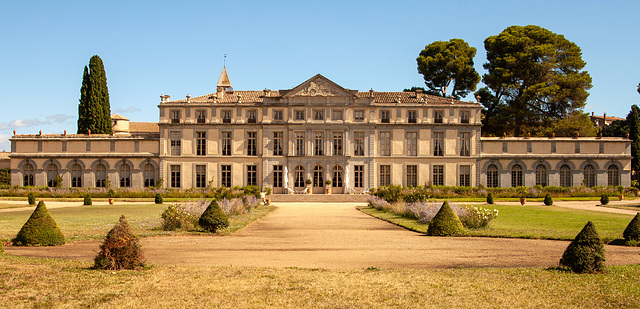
(336, 235)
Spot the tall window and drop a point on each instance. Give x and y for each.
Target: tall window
(251, 116)
(318, 143)
(149, 175)
(252, 140)
(298, 175)
(437, 116)
(28, 175)
(226, 116)
(52, 174)
(412, 175)
(201, 116)
(337, 143)
(358, 176)
(613, 176)
(385, 143)
(464, 117)
(465, 175)
(201, 143)
(175, 140)
(336, 182)
(465, 143)
(226, 143)
(175, 116)
(438, 144)
(101, 175)
(385, 175)
(516, 176)
(298, 114)
(277, 115)
(358, 115)
(252, 175)
(76, 175)
(492, 176)
(411, 116)
(277, 143)
(589, 176)
(225, 176)
(358, 138)
(318, 114)
(299, 143)
(125, 175)
(201, 176)
(438, 175)
(412, 143)
(175, 176)
(277, 176)
(565, 176)
(384, 116)
(318, 176)
(336, 114)
(541, 175)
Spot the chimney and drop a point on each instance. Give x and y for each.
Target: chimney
(188, 97)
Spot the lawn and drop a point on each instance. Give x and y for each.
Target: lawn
(87, 222)
(36, 283)
(524, 221)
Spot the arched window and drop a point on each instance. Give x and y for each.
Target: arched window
(52, 174)
(318, 176)
(589, 176)
(541, 175)
(149, 175)
(565, 176)
(76, 175)
(516, 176)
(101, 175)
(298, 174)
(125, 176)
(337, 177)
(28, 173)
(613, 176)
(492, 176)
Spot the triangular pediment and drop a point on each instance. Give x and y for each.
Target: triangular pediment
(319, 86)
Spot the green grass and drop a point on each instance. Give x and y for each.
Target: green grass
(37, 283)
(539, 222)
(90, 222)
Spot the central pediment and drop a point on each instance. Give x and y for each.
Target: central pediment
(319, 86)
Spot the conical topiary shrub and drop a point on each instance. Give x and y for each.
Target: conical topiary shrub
(585, 254)
(213, 218)
(445, 223)
(120, 249)
(158, 199)
(31, 198)
(604, 199)
(490, 198)
(39, 230)
(632, 232)
(548, 200)
(87, 201)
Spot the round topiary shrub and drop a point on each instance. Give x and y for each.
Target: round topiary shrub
(158, 198)
(548, 200)
(31, 198)
(585, 254)
(490, 198)
(445, 223)
(213, 218)
(604, 199)
(39, 230)
(632, 232)
(87, 201)
(120, 249)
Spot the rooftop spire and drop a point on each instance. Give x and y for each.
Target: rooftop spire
(223, 81)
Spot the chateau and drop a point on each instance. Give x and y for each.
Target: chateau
(316, 131)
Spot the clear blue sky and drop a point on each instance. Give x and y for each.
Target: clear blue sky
(164, 47)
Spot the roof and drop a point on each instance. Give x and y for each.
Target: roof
(141, 127)
(4, 155)
(223, 81)
(118, 117)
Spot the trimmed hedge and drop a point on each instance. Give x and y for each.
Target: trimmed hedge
(39, 230)
(585, 254)
(213, 218)
(632, 232)
(445, 223)
(120, 249)
(548, 200)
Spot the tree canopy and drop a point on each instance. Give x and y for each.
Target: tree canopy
(94, 110)
(534, 78)
(445, 63)
(576, 123)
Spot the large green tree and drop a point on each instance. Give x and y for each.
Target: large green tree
(94, 110)
(576, 123)
(448, 63)
(633, 120)
(534, 78)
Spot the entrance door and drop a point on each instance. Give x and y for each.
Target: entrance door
(318, 180)
(298, 179)
(337, 186)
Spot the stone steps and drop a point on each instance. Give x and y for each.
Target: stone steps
(319, 198)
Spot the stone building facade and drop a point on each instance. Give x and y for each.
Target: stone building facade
(316, 131)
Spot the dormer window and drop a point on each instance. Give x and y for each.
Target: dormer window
(411, 117)
(226, 116)
(437, 117)
(251, 116)
(464, 117)
(384, 116)
(175, 116)
(201, 116)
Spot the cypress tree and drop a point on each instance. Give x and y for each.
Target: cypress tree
(94, 110)
(633, 119)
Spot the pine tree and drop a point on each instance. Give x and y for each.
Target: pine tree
(94, 110)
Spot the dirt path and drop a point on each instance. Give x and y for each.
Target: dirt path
(332, 235)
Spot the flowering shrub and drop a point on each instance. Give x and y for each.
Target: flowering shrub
(475, 217)
(377, 203)
(238, 206)
(183, 216)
